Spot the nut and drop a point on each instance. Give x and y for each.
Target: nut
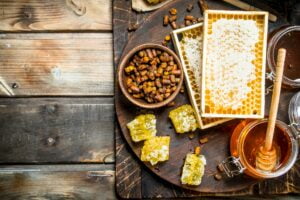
(173, 11)
(166, 20)
(203, 140)
(174, 25)
(167, 38)
(189, 17)
(197, 150)
(218, 176)
(190, 7)
(172, 18)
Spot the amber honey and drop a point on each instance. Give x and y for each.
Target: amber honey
(249, 135)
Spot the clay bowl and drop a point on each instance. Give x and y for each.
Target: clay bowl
(122, 76)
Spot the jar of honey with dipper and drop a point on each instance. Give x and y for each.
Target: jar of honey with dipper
(266, 148)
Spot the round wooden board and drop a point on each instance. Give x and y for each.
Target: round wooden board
(217, 148)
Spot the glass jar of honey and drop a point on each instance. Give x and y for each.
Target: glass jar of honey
(287, 37)
(249, 135)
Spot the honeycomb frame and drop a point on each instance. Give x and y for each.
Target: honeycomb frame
(192, 74)
(254, 105)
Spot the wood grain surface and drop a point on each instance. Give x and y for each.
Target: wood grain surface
(57, 182)
(56, 64)
(63, 130)
(55, 15)
(56, 130)
(155, 187)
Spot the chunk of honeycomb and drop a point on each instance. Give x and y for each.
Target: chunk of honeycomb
(193, 169)
(183, 119)
(156, 149)
(143, 127)
(234, 59)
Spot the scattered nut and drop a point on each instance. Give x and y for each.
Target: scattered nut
(190, 7)
(174, 25)
(167, 38)
(172, 18)
(203, 140)
(218, 176)
(188, 22)
(199, 19)
(164, 43)
(132, 27)
(173, 11)
(182, 89)
(203, 5)
(197, 150)
(189, 17)
(166, 20)
(191, 136)
(171, 104)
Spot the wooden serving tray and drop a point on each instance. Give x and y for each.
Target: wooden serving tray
(217, 149)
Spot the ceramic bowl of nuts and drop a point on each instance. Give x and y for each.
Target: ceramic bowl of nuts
(150, 76)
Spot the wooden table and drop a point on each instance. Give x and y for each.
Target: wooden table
(56, 106)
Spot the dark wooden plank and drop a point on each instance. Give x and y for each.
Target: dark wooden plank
(56, 64)
(57, 182)
(55, 15)
(128, 171)
(128, 168)
(56, 130)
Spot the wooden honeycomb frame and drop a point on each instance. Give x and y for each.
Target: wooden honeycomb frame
(253, 105)
(193, 73)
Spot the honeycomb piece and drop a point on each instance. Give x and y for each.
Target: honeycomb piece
(234, 64)
(156, 149)
(183, 119)
(193, 169)
(143, 127)
(189, 47)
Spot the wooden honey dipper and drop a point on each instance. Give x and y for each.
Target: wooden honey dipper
(266, 157)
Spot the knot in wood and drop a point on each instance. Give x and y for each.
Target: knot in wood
(14, 86)
(77, 7)
(27, 15)
(51, 141)
(51, 108)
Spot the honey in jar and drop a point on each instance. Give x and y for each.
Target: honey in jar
(248, 136)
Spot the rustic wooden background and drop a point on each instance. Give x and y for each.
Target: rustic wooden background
(57, 106)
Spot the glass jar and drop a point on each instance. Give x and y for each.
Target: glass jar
(250, 134)
(287, 37)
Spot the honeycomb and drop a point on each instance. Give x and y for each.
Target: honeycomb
(156, 149)
(193, 169)
(234, 59)
(188, 43)
(142, 127)
(183, 119)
